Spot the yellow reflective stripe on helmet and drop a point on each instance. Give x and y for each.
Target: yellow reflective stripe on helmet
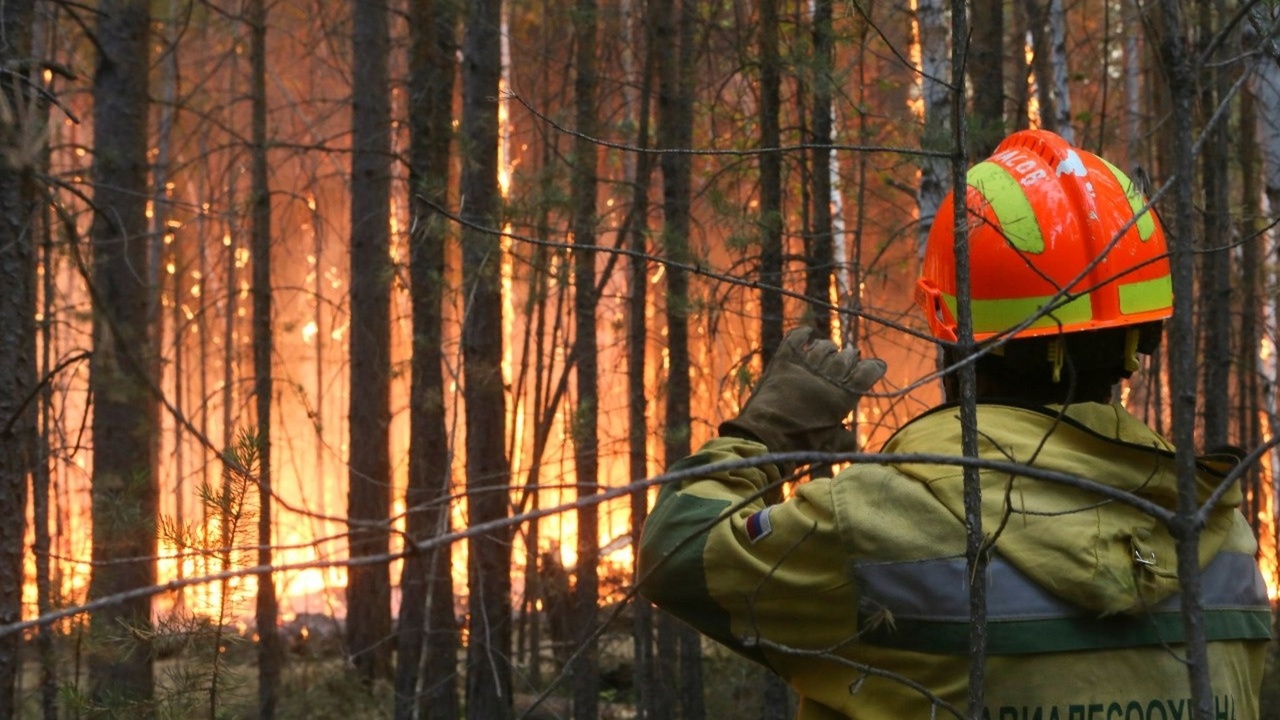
(1018, 221)
(1146, 222)
(993, 316)
(1146, 295)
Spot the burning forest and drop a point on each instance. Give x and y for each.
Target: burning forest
(345, 347)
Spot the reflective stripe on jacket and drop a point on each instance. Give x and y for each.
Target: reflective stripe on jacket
(855, 590)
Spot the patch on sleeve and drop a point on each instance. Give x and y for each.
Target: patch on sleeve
(759, 525)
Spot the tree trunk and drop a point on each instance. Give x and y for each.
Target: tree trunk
(675, 131)
(1177, 65)
(1265, 91)
(976, 554)
(771, 249)
(987, 71)
(165, 255)
(230, 333)
(42, 506)
(489, 679)
(266, 609)
(369, 502)
(17, 345)
(819, 253)
(1250, 229)
(770, 183)
(1132, 96)
(1215, 262)
(665, 46)
(1020, 88)
(586, 672)
(636, 353)
(124, 414)
(426, 661)
(1041, 63)
(937, 115)
(1061, 70)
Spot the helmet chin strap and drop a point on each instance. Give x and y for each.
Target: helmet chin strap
(1131, 349)
(1057, 350)
(1057, 353)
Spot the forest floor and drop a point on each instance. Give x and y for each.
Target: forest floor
(319, 685)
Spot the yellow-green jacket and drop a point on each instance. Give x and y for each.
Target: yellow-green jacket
(855, 591)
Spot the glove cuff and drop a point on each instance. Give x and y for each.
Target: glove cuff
(732, 428)
(775, 442)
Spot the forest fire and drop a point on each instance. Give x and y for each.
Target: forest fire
(1263, 506)
(214, 343)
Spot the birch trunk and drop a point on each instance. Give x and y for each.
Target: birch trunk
(937, 100)
(820, 254)
(1061, 70)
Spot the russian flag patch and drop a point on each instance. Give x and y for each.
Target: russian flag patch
(759, 526)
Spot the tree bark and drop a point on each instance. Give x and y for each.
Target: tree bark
(937, 115)
(1176, 60)
(771, 247)
(17, 344)
(987, 70)
(1061, 69)
(1132, 98)
(266, 609)
(636, 352)
(489, 679)
(770, 183)
(42, 485)
(819, 253)
(1250, 228)
(586, 593)
(675, 132)
(369, 502)
(426, 660)
(124, 414)
(1041, 62)
(43, 508)
(1020, 88)
(1216, 271)
(666, 45)
(1264, 89)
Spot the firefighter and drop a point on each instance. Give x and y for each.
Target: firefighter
(855, 588)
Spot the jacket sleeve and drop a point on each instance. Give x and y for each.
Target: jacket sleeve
(717, 556)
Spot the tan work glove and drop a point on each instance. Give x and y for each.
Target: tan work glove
(807, 391)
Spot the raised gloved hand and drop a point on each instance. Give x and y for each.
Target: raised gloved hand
(807, 391)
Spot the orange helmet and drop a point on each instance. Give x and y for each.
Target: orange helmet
(1057, 234)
